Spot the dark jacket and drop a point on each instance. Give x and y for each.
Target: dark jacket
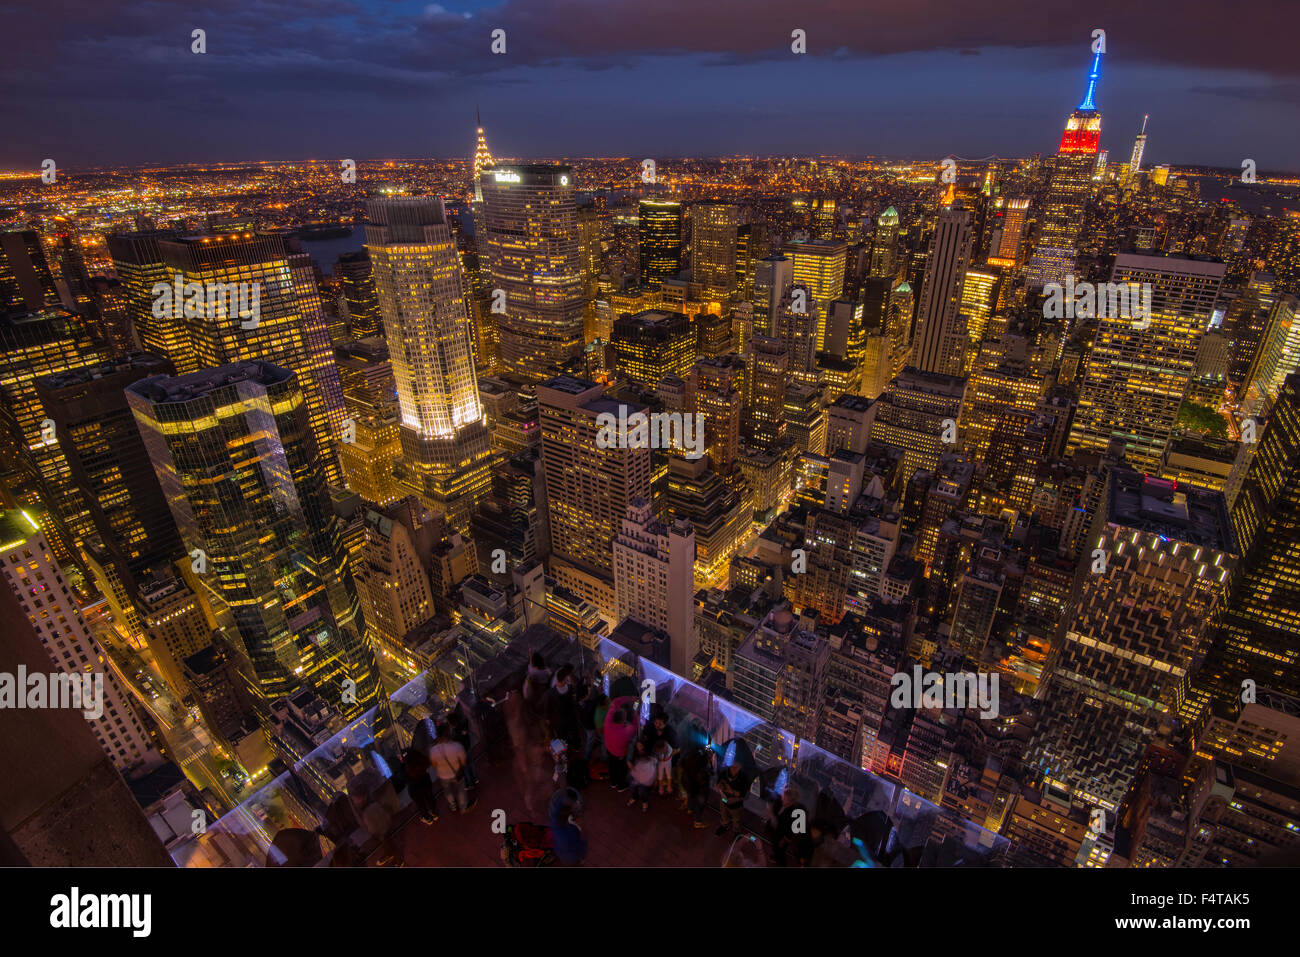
(696, 772)
(733, 789)
(652, 736)
(562, 713)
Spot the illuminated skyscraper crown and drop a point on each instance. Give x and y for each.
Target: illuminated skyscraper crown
(482, 155)
(1083, 128)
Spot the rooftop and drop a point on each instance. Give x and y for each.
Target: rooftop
(1169, 509)
(870, 817)
(183, 388)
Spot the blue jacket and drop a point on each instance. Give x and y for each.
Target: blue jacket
(570, 845)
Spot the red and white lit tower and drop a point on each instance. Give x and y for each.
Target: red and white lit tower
(1067, 194)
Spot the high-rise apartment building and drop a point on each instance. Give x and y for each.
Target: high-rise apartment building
(530, 238)
(914, 414)
(394, 582)
(720, 399)
(446, 445)
(237, 459)
(766, 424)
(796, 324)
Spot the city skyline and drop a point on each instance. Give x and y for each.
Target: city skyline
(934, 513)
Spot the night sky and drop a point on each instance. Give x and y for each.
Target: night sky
(94, 82)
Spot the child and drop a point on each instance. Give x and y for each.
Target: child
(663, 752)
(643, 771)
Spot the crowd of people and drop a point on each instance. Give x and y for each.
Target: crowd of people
(607, 737)
(593, 737)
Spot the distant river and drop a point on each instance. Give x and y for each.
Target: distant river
(324, 252)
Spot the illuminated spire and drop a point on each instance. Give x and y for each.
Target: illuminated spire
(482, 155)
(1093, 76)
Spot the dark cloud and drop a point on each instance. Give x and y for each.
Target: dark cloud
(341, 41)
(90, 62)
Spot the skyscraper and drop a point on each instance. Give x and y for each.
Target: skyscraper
(26, 282)
(719, 398)
(653, 344)
(530, 237)
(766, 424)
(654, 578)
(796, 324)
(713, 246)
(482, 156)
(588, 488)
(289, 329)
(1133, 634)
(1137, 375)
(354, 271)
(911, 416)
(237, 459)
(1067, 194)
(659, 236)
(941, 336)
(109, 463)
(1009, 235)
(138, 262)
(32, 573)
(819, 266)
(1257, 637)
(446, 445)
(1139, 147)
(884, 244)
(772, 277)
(33, 345)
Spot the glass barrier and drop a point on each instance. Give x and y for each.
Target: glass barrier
(872, 822)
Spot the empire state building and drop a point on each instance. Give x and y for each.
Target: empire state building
(1058, 246)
